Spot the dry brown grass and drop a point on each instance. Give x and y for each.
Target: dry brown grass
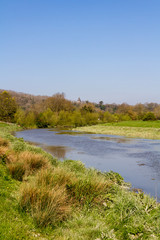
(17, 170)
(33, 161)
(25, 164)
(3, 150)
(4, 142)
(47, 205)
(52, 177)
(3, 154)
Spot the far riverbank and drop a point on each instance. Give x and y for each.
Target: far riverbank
(131, 129)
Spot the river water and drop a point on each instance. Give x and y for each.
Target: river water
(137, 160)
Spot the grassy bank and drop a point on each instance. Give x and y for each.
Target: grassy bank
(133, 129)
(43, 198)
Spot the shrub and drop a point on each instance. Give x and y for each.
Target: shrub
(108, 117)
(8, 107)
(149, 117)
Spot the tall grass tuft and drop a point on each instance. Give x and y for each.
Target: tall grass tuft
(3, 154)
(75, 166)
(55, 176)
(4, 142)
(91, 188)
(26, 163)
(48, 206)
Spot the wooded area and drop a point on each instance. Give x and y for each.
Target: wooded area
(43, 111)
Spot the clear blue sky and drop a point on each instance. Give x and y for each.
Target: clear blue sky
(105, 50)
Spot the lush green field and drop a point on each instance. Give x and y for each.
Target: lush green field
(143, 124)
(133, 129)
(43, 198)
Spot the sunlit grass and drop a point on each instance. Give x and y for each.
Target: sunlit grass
(13, 224)
(66, 201)
(133, 129)
(143, 124)
(47, 206)
(26, 163)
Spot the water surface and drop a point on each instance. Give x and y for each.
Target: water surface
(137, 160)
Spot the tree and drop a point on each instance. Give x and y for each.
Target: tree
(87, 108)
(58, 103)
(8, 107)
(101, 105)
(20, 117)
(149, 117)
(157, 112)
(127, 110)
(140, 110)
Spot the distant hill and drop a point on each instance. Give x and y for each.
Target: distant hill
(26, 101)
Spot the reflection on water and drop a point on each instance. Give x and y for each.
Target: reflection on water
(70, 133)
(59, 129)
(116, 139)
(137, 160)
(57, 151)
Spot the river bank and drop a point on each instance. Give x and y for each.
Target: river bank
(51, 199)
(131, 129)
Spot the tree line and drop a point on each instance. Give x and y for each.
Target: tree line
(43, 111)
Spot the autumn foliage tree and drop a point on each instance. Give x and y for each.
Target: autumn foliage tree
(58, 103)
(8, 107)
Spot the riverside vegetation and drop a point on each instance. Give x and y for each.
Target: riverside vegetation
(32, 112)
(44, 198)
(132, 129)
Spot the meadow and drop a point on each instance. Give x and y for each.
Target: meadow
(132, 129)
(44, 198)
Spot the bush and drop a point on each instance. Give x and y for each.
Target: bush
(149, 117)
(8, 107)
(108, 117)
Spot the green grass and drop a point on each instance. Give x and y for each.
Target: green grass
(66, 201)
(132, 129)
(13, 224)
(143, 124)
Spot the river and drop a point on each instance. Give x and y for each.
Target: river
(137, 160)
